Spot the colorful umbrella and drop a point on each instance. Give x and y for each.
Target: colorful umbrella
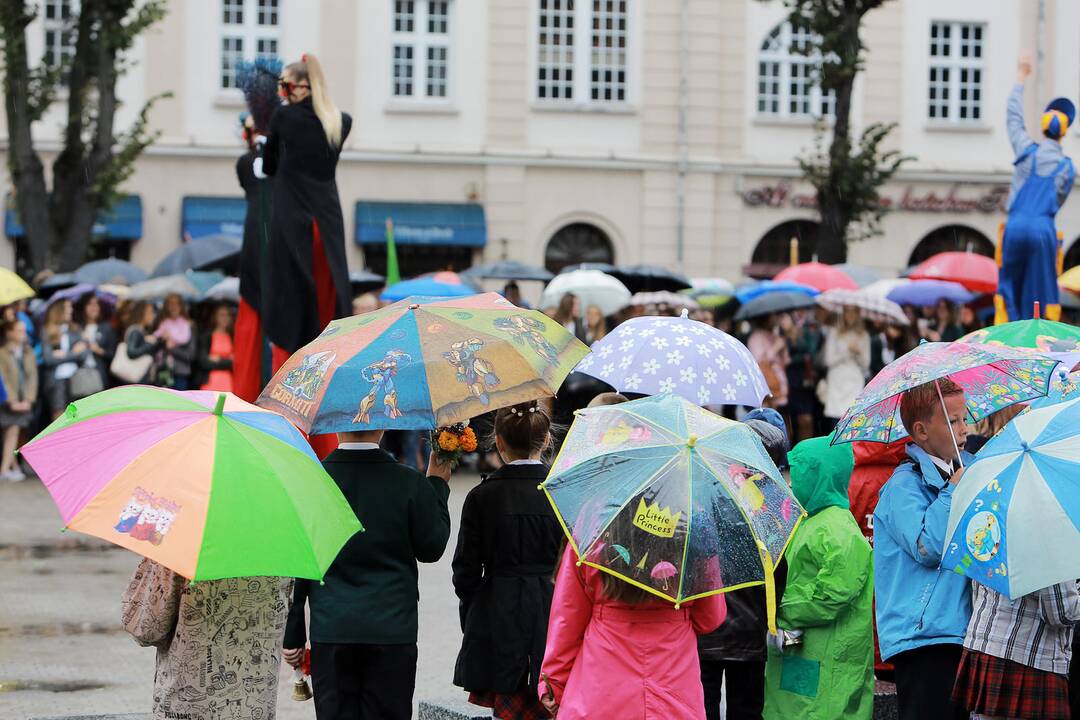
(592, 287)
(13, 288)
(818, 276)
(653, 355)
(1046, 336)
(873, 307)
(924, 293)
(774, 302)
(754, 290)
(977, 273)
(1015, 519)
(203, 483)
(422, 363)
(992, 378)
(440, 284)
(693, 499)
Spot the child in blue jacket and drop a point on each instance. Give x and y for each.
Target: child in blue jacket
(922, 608)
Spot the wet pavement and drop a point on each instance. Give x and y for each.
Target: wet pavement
(62, 650)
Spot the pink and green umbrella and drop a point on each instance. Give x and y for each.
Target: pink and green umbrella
(992, 377)
(201, 482)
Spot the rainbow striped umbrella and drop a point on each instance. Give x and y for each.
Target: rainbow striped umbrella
(201, 482)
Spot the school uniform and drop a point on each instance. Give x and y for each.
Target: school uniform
(364, 614)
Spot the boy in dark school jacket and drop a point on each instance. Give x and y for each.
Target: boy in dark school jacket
(364, 614)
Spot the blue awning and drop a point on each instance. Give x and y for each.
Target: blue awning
(201, 216)
(123, 222)
(460, 224)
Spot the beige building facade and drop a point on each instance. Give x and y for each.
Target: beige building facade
(593, 130)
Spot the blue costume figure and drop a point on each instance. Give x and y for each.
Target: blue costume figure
(527, 330)
(477, 374)
(1042, 179)
(381, 376)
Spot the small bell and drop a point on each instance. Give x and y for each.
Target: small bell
(301, 691)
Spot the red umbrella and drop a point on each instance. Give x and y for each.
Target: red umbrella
(819, 276)
(977, 273)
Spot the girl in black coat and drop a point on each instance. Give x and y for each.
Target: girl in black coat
(508, 545)
(308, 276)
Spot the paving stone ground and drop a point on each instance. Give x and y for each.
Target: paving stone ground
(62, 650)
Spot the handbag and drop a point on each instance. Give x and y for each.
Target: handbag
(85, 382)
(130, 370)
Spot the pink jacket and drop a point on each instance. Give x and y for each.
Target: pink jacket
(609, 659)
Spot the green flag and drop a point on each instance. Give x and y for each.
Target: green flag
(393, 274)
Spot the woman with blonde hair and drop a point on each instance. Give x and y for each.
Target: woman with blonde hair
(62, 353)
(847, 363)
(308, 275)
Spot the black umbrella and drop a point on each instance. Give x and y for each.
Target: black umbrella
(774, 302)
(362, 281)
(508, 270)
(211, 251)
(110, 271)
(650, 278)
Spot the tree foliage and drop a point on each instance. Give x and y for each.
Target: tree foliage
(847, 176)
(94, 159)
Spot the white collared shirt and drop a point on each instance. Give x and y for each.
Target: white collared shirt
(525, 462)
(945, 466)
(358, 446)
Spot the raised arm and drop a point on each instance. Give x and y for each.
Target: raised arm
(1014, 113)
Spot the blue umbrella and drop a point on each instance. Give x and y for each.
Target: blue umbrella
(200, 254)
(924, 293)
(443, 284)
(653, 355)
(110, 271)
(752, 291)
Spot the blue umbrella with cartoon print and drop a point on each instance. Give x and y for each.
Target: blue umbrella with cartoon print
(424, 362)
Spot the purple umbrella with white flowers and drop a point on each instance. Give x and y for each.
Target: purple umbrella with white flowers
(653, 355)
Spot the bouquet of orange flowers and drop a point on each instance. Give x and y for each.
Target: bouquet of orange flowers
(452, 442)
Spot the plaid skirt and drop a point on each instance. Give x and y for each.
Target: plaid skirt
(1002, 688)
(521, 705)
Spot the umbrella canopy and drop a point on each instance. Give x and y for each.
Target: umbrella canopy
(56, 281)
(1044, 335)
(862, 275)
(422, 363)
(992, 378)
(753, 290)
(976, 273)
(13, 288)
(203, 483)
(591, 287)
(698, 362)
(646, 278)
(77, 293)
(362, 281)
(818, 276)
(509, 270)
(228, 290)
(774, 302)
(110, 272)
(1014, 525)
(1070, 280)
(926, 293)
(664, 297)
(872, 307)
(692, 499)
(882, 288)
(161, 287)
(440, 284)
(597, 266)
(210, 251)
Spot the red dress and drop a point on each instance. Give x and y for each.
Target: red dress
(221, 346)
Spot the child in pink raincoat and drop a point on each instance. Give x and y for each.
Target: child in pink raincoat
(615, 652)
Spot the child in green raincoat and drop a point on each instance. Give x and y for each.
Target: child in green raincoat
(829, 597)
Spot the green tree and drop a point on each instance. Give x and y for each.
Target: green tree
(846, 176)
(93, 159)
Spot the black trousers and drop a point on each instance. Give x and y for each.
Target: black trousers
(745, 683)
(363, 682)
(924, 683)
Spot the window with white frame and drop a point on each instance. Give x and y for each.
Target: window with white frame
(59, 26)
(582, 51)
(250, 29)
(789, 76)
(957, 64)
(421, 49)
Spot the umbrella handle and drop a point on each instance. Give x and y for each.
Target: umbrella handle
(945, 414)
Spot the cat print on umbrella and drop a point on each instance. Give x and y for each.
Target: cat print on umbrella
(147, 517)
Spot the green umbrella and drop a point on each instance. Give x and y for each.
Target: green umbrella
(1044, 335)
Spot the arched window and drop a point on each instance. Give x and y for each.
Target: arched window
(789, 67)
(773, 251)
(951, 238)
(577, 243)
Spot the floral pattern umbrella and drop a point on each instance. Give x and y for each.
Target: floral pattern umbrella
(992, 378)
